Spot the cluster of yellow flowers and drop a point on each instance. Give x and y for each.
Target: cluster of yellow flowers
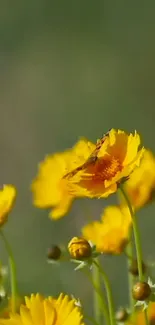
(115, 163)
(89, 170)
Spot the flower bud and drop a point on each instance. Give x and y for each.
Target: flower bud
(141, 291)
(54, 253)
(121, 315)
(79, 248)
(133, 268)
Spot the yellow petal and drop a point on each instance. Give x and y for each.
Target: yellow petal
(111, 234)
(61, 209)
(50, 313)
(7, 199)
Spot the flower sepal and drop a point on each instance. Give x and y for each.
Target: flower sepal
(87, 262)
(143, 304)
(81, 264)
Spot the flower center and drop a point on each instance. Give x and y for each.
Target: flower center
(103, 169)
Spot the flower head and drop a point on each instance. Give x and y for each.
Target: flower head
(110, 235)
(114, 158)
(141, 183)
(50, 188)
(7, 198)
(46, 311)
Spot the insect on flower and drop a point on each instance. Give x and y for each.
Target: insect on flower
(92, 158)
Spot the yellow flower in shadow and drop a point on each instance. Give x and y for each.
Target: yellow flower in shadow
(46, 311)
(50, 188)
(111, 234)
(115, 157)
(7, 199)
(141, 184)
(138, 318)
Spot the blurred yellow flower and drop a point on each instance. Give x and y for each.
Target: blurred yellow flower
(7, 198)
(46, 311)
(138, 317)
(116, 155)
(111, 234)
(141, 183)
(50, 188)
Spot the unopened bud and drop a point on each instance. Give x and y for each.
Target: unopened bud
(79, 248)
(121, 315)
(141, 291)
(54, 253)
(133, 268)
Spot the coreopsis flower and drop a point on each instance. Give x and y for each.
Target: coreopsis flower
(111, 234)
(115, 157)
(46, 311)
(141, 183)
(50, 188)
(7, 198)
(138, 318)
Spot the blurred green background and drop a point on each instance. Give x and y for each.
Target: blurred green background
(70, 69)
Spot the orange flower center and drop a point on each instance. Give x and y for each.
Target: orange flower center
(103, 169)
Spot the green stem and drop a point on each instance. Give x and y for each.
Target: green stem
(99, 301)
(137, 243)
(146, 317)
(109, 293)
(129, 252)
(136, 233)
(12, 271)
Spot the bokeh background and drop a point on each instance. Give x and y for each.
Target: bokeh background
(70, 69)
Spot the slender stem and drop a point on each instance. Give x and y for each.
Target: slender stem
(136, 234)
(146, 317)
(99, 301)
(137, 242)
(12, 271)
(129, 252)
(109, 294)
(97, 309)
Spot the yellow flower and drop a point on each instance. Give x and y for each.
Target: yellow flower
(115, 157)
(46, 311)
(7, 198)
(141, 183)
(50, 188)
(111, 234)
(138, 317)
